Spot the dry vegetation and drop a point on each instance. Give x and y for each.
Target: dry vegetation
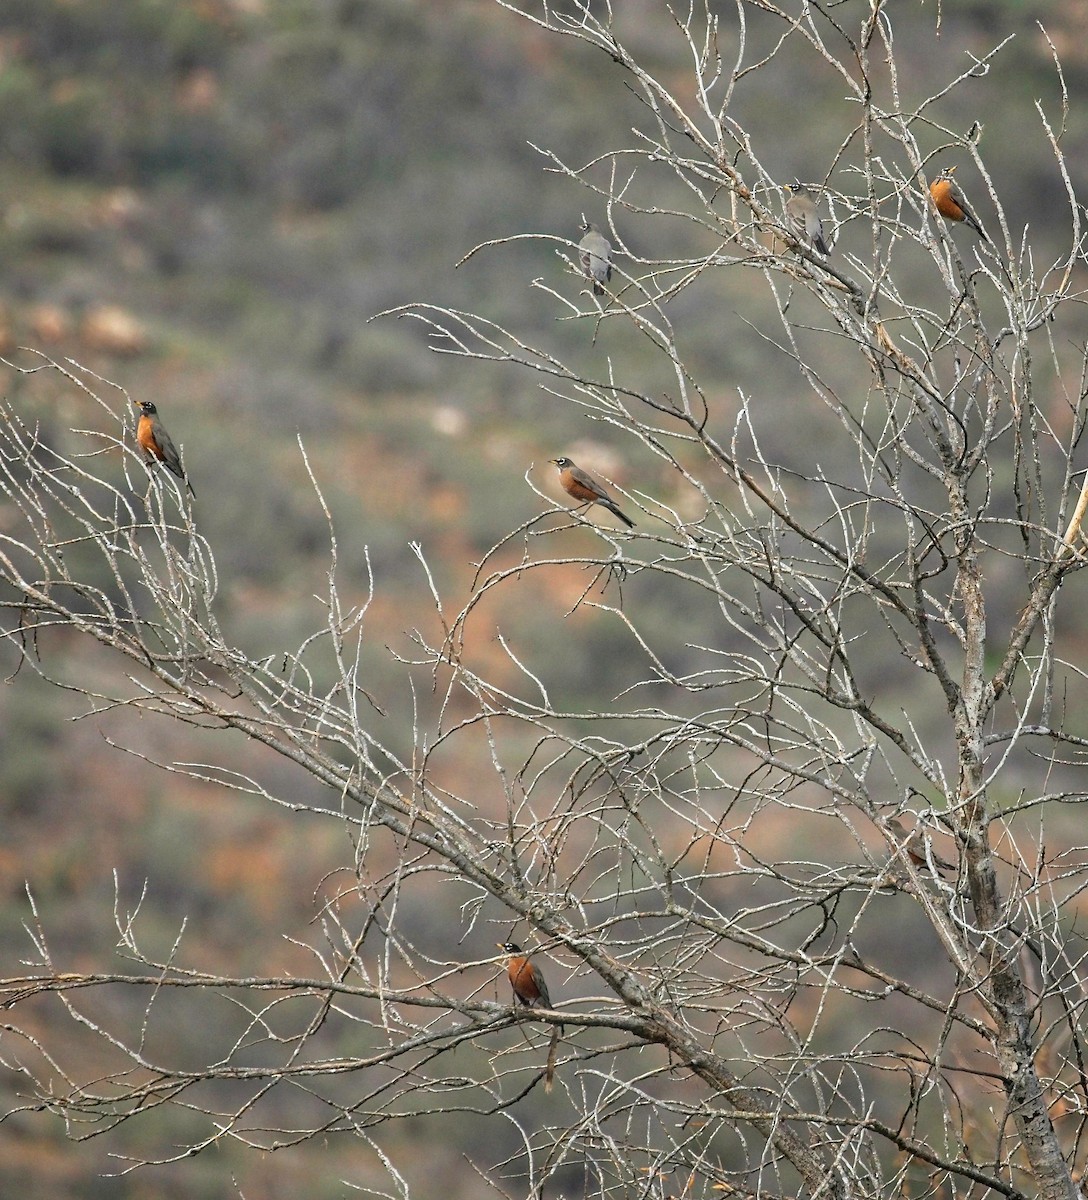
(283, 764)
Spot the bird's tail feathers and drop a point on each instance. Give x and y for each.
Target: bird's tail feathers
(553, 1054)
(615, 509)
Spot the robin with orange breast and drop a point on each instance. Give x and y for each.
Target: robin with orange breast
(526, 978)
(157, 444)
(914, 846)
(804, 218)
(531, 990)
(950, 202)
(584, 488)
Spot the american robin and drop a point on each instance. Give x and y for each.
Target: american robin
(582, 486)
(914, 847)
(950, 202)
(526, 978)
(530, 989)
(595, 255)
(156, 443)
(804, 218)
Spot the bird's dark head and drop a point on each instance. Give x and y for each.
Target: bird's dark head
(561, 463)
(509, 947)
(948, 172)
(588, 227)
(147, 408)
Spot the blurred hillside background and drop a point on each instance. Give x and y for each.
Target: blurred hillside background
(205, 201)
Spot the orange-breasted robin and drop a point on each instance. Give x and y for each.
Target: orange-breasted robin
(915, 849)
(526, 978)
(530, 989)
(950, 202)
(804, 218)
(583, 487)
(595, 255)
(156, 443)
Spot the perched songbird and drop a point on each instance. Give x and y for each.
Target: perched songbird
(595, 255)
(527, 981)
(804, 218)
(156, 443)
(526, 978)
(583, 487)
(950, 202)
(914, 847)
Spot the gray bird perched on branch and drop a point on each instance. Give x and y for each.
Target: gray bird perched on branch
(804, 218)
(595, 255)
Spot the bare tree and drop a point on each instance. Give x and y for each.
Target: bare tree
(859, 719)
